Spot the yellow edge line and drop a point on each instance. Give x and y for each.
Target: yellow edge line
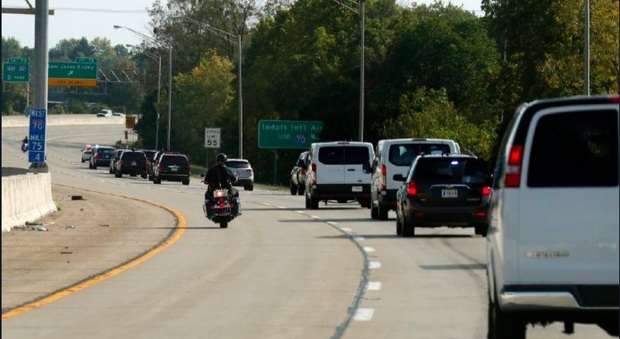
(181, 226)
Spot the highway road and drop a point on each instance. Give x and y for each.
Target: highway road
(278, 271)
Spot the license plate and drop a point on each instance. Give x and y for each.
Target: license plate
(356, 189)
(450, 193)
(133, 163)
(173, 169)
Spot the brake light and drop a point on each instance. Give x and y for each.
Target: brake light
(614, 98)
(314, 176)
(412, 188)
(383, 174)
(303, 171)
(480, 214)
(513, 168)
(486, 191)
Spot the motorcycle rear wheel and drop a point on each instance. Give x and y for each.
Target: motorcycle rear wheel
(223, 224)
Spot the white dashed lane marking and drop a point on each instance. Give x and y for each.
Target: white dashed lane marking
(363, 314)
(373, 285)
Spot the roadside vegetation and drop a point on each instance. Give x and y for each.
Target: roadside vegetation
(430, 71)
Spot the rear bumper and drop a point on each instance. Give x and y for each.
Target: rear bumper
(244, 182)
(173, 177)
(340, 191)
(565, 297)
(448, 216)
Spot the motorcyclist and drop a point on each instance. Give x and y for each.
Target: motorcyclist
(220, 176)
(25, 144)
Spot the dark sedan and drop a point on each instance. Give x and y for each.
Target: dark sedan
(443, 190)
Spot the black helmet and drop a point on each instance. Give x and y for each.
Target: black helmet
(221, 157)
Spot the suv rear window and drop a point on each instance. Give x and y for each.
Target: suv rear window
(171, 160)
(237, 164)
(457, 170)
(339, 155)
(404, 154)
(133, 156)
(576, 149)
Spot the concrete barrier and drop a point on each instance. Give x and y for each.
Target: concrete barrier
(26, 197)
(62, 119)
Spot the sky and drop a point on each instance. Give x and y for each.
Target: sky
(74, 19)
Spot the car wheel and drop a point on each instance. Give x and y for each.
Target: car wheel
(293, 189)
(186, 182)
(156, 180)
(481, 230)
(118, 174)
(143, 176)
(301, 190)
(382, 212)
(408, 228)
(374, 212)
(502, 326)
(399, 225)
(251, 188)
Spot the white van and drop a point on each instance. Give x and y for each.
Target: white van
(394, 156)
(552, 242)
(339, 171)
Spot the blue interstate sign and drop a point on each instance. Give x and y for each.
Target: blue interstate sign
(36, 143)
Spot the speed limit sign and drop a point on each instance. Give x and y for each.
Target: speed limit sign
(212, 138)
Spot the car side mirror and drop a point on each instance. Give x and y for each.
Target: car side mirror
(398, 177)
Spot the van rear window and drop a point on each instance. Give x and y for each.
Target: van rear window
(344, 155)
(403, 154)
(576, 149)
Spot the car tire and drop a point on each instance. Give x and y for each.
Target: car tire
(186, 182)
(301, 190)
(502, 326)
(118, 174)
(481, 230)
(408, 228)
(251, 188)
(311, 203)
(293, 189)
(156, 180)
(374, 212)
(143, 176)
(399, 226)
(382, 212)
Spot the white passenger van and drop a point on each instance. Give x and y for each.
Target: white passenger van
(394, 156)
(552, 243)
(338, 171)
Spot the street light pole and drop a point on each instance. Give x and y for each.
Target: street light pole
(151, 39)
(158, 58)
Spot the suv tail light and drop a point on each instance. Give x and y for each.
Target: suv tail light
(412, 189)
(383, 174)
(313, 166)
(513, 168)
(486, 191)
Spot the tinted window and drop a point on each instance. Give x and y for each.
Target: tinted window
(106, 151)
(173, 160)
(575, 149)
(237, 164)
(341, 155)
(133, 156)
(466, 171)
(403, 154)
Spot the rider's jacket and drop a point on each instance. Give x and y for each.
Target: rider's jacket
(220, 176)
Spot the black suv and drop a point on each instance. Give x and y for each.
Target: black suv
(131, 162)
(172, 167)
(102, 155)
(443, 190)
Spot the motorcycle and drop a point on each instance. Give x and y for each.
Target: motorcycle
(220, 207)
(24, 146)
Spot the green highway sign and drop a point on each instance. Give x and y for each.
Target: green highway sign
(15, 72)
(288, 134)
(18, 60)
(71, 70)
(86, 60)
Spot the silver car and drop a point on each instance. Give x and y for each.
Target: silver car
(243, 169)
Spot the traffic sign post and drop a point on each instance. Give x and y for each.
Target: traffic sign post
(288, 134)
(73, 73)
(212, 137)
(36, 138)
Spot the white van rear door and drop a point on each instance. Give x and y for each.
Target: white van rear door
(357, 161)
(568, 214)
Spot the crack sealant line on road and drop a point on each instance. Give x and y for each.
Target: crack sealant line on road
(173, 236)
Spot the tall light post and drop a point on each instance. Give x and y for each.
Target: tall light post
(151, 39)
(227, 36)
(362, 13)
(158, 58)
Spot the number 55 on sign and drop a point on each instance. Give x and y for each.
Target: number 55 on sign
(212, 138)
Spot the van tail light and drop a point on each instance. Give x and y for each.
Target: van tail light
(384, 175)
(486, 191)
(513, 169)
(412, 189)
(314, 176)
